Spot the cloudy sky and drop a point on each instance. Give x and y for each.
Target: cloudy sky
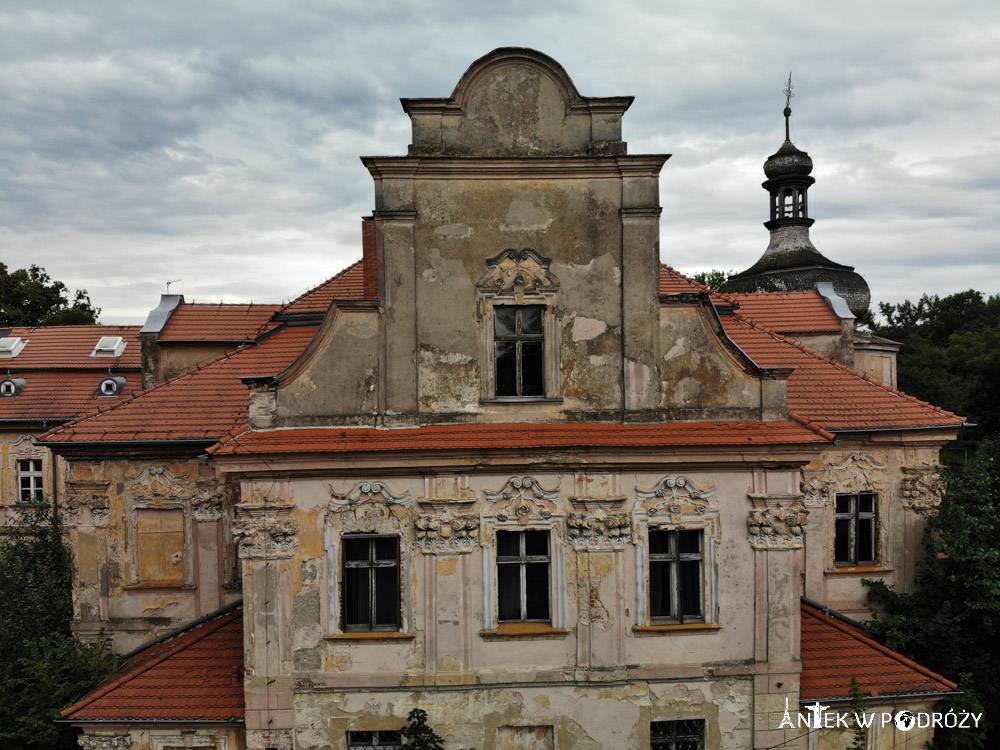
(218, 142)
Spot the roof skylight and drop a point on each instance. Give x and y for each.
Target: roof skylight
(11, 346)
(109, 346)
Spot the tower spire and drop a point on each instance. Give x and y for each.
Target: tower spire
(787, 91)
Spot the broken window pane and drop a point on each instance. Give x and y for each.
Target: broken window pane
(518, 357)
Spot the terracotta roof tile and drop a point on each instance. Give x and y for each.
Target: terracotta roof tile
(834, 651)
(69, 348)
(195, 675)
(523, 436)
(61, 395)
(218, 322)
(348, 284)
(789, 312)
(201, 404)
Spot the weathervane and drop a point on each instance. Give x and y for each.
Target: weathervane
(787, 91)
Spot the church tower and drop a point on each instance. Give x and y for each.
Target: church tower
(791, 262)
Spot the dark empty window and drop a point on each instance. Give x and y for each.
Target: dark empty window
(381, 740)
(519, 345)
(686, 734)
(675, 575)
(29, 477)
(854, 534)
(523, 576)
(371, 583)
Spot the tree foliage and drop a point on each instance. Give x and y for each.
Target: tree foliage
(951, 353)
(420, 736)
(29, 297)
(43, 668)
(712, 279)
(950, 623)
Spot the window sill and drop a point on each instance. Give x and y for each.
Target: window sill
(159, 586)
(529, 630)
(373, 636)
(688, 627)
(521, 400)
(857, 570)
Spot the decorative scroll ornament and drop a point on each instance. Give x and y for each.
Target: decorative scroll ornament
(522, 499)
(922, 487)
(158, 484)
(447, 533)
(675, 500)
(365, 492)
(777, 522)
(523, 270)
(265, 532)
(207, 504)
(816, 492)
(598, 530)
(861, 460)
(87, 496)
(104, 742)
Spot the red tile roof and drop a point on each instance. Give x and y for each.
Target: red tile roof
(195, 675)
(201, 404)
(348, 284)
(831, 395)
(788, 312)
(834, 651)
(673, 281)
(69, 348)
(520, 436)
(218, 322)
(61, 395)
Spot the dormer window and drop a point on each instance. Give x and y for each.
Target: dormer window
(11, 346)
(10, 387)
(112, 385)
(109, 346)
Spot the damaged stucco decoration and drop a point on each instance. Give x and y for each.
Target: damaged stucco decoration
(157, 484)
(207, 504)
(675, 500)
(816, 491)
(366, 492)
(522, 499)
(518, 270)
(104, 742)
(776, 521)
(598, 530)
(85, 496)
(921, 487)
(447, 533)
(265, 531)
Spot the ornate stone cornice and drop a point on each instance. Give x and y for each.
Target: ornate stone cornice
(104, 741)
(522, 499)
(265, 532)
(776, 521)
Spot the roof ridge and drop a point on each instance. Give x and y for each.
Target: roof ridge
(840, 366)
(212, 625)
(315, 289)
(860, 635)
(696, 284)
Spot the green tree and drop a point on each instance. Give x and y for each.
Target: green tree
(950, 623)
(29, 297)
(712, 279)
(43, 668)
(419, 736)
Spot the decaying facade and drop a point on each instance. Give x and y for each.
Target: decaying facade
(508, 469)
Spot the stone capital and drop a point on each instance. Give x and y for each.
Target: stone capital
(776, 521)
(265, 532)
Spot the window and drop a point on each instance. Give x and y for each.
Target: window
(686, 734)
(518, 342)
(854, 529)
(675, 576)
(381, 740)
(523, 576)
(371, 583)
(29, 473)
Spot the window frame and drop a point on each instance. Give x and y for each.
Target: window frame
(519, 338)
(673, 558)
(522, 560)
(551, 355)
(394, 742)
(371, 564)
(36, 481)
(855, 518)
(677, 738)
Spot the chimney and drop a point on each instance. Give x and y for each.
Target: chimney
(369, 262)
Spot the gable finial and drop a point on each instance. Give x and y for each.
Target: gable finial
(787, 91)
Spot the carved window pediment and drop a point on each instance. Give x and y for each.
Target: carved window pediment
(157, 484)
(676, 500)
(522, 500)
(518, 270)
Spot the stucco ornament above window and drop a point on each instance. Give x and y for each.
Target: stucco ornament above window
(777, 521)
(522, 499)
(514, 270)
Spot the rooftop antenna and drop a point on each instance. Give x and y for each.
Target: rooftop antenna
(787, 91)
(169, 282)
